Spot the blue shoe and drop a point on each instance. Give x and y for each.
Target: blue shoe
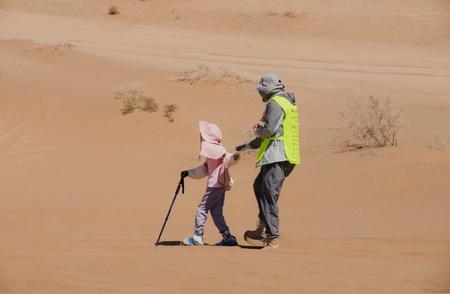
(228, 241)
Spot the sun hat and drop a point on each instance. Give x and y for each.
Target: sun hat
(211, 140)
(268, 84)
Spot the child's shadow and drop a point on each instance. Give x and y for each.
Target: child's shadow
(179, 243)
(169, 243)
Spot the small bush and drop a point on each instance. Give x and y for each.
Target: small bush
(148, 104)
(290, 14)
(439, 144)
(371, 123)
(169, 110)
(203, 73)
(129, 105)
(113, 10)
(191, 76)
(133, 97)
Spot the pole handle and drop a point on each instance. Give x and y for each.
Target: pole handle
(182, 185)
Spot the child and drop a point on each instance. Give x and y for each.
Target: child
(218, 160)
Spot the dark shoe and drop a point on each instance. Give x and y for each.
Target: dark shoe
(228, 240)
(258, 235)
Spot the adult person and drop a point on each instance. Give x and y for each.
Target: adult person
(279, 152)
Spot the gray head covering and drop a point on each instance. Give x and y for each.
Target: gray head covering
(269, 85)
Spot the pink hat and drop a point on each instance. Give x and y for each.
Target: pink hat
(211, 140)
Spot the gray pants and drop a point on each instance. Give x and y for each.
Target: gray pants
(212, 201)
(267, 188)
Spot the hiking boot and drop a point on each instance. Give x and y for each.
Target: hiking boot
(193, 241)
(228, 240)
(272, 243)
(258, 235)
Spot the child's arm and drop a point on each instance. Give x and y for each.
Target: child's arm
(198, 172)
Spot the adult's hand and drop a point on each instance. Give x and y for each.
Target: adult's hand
(242, 147)
(258, 125)
(184, 174)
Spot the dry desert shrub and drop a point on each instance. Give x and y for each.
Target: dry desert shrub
(149, 104)
(174, 14)
(129, 105)
(64, 46)
(439, 144)
(113, 10)
(169, 110)
(290, 14)
(287, 14)
(369, 123)
(133, 97)
(203, 73)
(57, 49)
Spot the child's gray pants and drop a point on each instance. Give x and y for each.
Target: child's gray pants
(212, 201)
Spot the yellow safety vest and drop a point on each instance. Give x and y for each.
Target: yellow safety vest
(290, 132)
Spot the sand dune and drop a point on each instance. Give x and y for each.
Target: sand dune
(415, 22)
(84, 189)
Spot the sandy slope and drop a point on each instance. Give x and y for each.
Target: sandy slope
(416, 21)
(84, 189)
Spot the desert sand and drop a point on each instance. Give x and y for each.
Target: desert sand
(84, 189)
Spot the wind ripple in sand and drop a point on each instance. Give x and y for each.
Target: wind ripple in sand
(20, 143)
(172, 49)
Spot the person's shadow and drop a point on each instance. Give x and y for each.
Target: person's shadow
(179, 243)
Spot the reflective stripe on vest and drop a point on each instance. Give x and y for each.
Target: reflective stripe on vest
(290, 132)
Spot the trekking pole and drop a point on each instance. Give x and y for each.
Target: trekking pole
(180, 185)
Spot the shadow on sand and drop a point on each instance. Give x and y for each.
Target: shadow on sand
(179, 243)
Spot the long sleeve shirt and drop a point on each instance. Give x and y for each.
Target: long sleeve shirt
(211, 169)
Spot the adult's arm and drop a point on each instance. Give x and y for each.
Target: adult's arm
(254, 144)
(268, 126)
(271, 121)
